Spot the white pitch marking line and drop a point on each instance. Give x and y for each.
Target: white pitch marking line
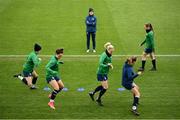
(84, 56)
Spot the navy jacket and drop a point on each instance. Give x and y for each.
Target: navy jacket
(90, 23)
(128, 74)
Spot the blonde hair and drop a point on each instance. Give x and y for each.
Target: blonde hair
(106, 45)
(110, 47)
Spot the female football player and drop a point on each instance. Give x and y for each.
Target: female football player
(149, 50)
(105, 63)
(29, 74)
(128, 76)
(53, 77)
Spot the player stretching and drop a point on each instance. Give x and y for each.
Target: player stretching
(128, 76)
(29, 74)
(105, 63)
(149, 50)
(52, 76)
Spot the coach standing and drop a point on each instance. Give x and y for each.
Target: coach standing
(91, 29)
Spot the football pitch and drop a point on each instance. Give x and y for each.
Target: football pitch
(61, 23)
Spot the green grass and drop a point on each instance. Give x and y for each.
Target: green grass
(60, 23)
(160, 92)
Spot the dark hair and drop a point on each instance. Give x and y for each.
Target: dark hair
(91, 9)
(37, 47)
(59, 51)
(132, 59)
(149, 25)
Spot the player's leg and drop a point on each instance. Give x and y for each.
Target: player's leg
(144, 55)
(29, 81)
(94, 41)
(135, 92)
(98, 88)
(23, 79)
(61, 85)
(137, 87)
(153, 58)
(34, 80)
(88, 41)
(54, 84)
(102, 92)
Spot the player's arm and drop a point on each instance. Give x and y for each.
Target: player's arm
(101, 61)
(48, 67)
(94, 22)
(110, 65)
(88, 23)
(151, 41)
(143, 42)
(36, 60)
(131, 76)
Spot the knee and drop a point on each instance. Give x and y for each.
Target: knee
(29, 83)
(105, 87)
(35, 76)
(138, 94)
(137, 87)
(143, 57)
(62, 86)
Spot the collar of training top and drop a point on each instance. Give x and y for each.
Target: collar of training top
(107, 53)
(56, 57)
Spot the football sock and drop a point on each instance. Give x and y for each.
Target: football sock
(101, 93)
(20, 77)
(34, 80)
(136, 101)
(154, 63)
(53, 94)
(143, 63)
(98, 89)
(23, 79)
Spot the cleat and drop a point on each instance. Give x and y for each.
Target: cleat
(94, 51)
(16, 75)
(33, 87)
(88, 51)
(51, 105)
(141, 69)
(99, 102)
(153, 69)
(91, 96)
(135, 112)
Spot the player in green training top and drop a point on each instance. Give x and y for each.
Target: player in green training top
(53, 77)
(29, 74)
(149, 50)
(105, 63)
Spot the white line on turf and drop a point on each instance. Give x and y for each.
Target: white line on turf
(85, 56)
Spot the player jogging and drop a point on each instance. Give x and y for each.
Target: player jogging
(53, 77)
(128, 76)
(105, 63)
(29, 74)
(149, 50)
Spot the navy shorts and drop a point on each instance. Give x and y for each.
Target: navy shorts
(27, 74)
(148, 50)
(53, 78)
(128, 86)
(101, 77)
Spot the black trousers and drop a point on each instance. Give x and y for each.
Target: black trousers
(89, 35)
